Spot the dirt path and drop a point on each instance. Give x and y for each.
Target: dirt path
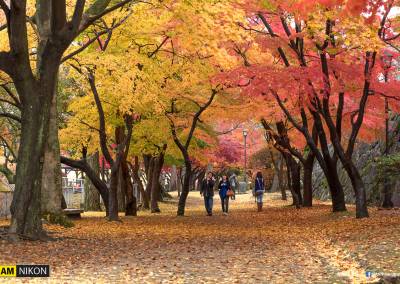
(279, 245)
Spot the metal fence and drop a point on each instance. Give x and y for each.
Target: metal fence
(73, 191)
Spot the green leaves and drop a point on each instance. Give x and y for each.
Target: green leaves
(388, 166)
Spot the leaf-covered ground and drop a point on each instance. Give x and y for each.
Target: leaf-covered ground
(279, 245)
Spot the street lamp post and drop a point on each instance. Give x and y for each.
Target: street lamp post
(245, 157)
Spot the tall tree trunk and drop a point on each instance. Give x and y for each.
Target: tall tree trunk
(289, 177)
(51, 177)
(335, 187)
(155, 187)
(37, 95)
(26, 205)
(359, 188)
(121, 190)
(185, 188)
(146, 162)
(131, 201)
(355, 178)
(137, 180)
(329, 165)
(293, 166)
(149, 177)
(92, 196)
(350, 168)
(294, 180)
(307, 180)
(281, 180)
(119, 138)
(113, 196)
(345, 156)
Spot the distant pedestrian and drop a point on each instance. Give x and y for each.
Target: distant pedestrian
(207, 191)
(234, 185)
(224, 186)
(259, 188)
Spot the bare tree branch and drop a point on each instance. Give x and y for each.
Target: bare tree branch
(97, 37)
(229, 130)
(151, 54)
(282, 142)
(197, 116)
(102, 123)
(59, 14)
(77, 16)
(89, 126)
(88, 20)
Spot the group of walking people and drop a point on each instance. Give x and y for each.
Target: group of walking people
(226, 190)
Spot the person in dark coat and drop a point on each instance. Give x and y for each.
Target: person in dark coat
(223, 187)
(207, 191)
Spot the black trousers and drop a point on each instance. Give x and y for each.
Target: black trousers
(225, 204)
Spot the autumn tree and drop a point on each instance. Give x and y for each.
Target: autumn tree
(123, 135)
(280, 140)
(141, 82)
(35, 81)
(166, 81)
(184, 144)
(319, 55)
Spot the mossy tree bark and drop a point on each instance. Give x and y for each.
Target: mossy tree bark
(51, 177)
(92, 196)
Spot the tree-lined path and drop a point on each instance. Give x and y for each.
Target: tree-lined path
(280, 245)
(109, 106)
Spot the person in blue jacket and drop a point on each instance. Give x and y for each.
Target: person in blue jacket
(259, 188)
(223, 187)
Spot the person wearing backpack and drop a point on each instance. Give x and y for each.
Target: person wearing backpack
(207, 191)
(259, 188)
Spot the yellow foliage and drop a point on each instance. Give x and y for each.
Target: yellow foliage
(158, 55)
